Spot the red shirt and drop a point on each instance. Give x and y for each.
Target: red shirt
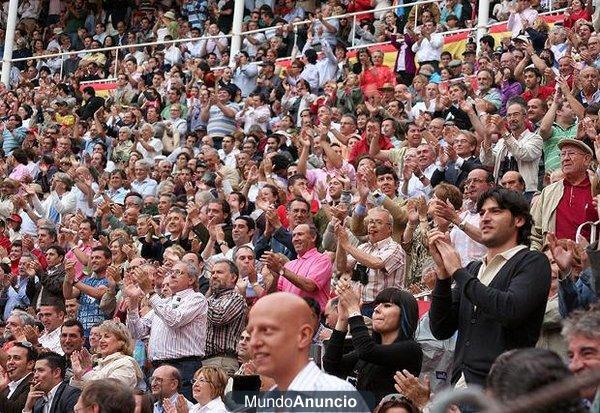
(362, 146)
(375, 77)
(581, 14)
(575, 208)
(544, 92)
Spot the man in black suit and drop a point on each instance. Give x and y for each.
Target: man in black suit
(498, 304)
(49, 388)
(457, 160)
(92, 103)
(15, 379)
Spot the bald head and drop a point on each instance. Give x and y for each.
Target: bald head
(165, 381)
(281, 328)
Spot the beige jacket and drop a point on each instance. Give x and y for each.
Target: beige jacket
(117, 366)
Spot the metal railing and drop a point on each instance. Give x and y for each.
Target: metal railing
(353, 15)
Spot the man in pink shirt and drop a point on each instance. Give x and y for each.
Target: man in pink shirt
(309, 275)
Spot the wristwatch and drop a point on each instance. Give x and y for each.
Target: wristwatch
(221, 243)
(354, 314)
(462, 225)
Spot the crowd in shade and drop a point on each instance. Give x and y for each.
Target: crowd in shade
(180, 223)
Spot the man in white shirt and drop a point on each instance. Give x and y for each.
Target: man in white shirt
(143, 184)
(52, 316)
(176, 325)
(50, 393)
(282, 326)
(429, 46)
(147, 145)
(228, 152)
(14, 384)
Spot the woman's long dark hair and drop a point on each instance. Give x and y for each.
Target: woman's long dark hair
(409, 311)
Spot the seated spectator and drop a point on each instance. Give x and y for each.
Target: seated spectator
(115, 362)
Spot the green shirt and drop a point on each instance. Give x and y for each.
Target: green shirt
(551, 151)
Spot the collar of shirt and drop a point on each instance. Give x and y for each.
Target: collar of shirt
(505, 255)
(382, 243)
(307, 375)
(172, 399)
(14, 384)
(51, 394)
(308, 254)
(184, 293)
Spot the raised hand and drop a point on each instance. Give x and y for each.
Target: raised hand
(562, 256)
(410, 386)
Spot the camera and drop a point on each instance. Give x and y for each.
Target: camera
(360, 273)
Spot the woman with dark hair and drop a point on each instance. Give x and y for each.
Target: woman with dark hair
(396, 403)
(520, 372)
(375, 358)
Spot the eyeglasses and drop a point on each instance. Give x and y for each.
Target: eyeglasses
(569, 154)
(174, 273)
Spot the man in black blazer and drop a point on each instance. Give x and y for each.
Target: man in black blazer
(49, 388)
(457, 160)
(15, 380)
(498, 304)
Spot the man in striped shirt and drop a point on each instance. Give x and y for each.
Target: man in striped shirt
(227, 312)
(380, 261)
(177, 325)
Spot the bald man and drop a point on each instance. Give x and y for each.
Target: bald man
(164, 383)
(281, 327)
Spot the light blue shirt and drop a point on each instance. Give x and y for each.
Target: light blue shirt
(16, 296)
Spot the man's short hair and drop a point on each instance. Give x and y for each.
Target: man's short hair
(107, 252)
(32, 353)
(110, 395)
(233, 269)
(583, 323)
(55, 361)
(73, 322)
(59, 250)
(516, 204)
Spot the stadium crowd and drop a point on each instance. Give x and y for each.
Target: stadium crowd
(173, 228)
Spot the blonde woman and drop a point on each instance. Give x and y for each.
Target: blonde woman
(115, 348)
(208, 389)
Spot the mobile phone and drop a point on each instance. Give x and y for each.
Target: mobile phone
(346, 197)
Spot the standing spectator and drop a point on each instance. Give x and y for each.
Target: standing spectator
(521, 16)
(379, 262)
(513, 306)
(428, 45)
(566, 204)
(89, 289)
(517, 150)
(226, 317)
(177, 324)
(309, 275)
